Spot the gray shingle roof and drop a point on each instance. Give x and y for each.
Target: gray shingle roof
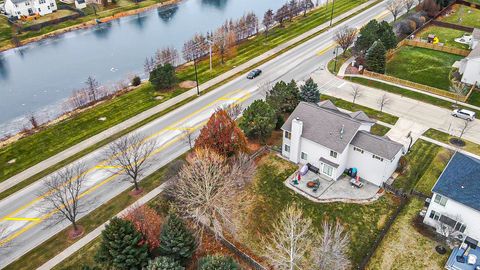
(378, 145)
(18, 1)
(323, 124)
(475, 52)
(476, 33)
(460, 181)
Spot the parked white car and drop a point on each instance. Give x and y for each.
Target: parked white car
(464, 114)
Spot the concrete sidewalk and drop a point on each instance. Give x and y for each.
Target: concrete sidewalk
(39, 167)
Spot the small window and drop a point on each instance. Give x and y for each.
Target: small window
(377, 157)
(288, 135)
(304, 156)
(460, 227)
(434, 215)
(358, 149)
(440, 200)
(287, 148)
(333, 154)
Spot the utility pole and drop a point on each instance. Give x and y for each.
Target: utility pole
(196, 75)
(210, 44)
(331, 15)
(335, 52)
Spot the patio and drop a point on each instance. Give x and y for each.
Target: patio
(454, 264)
(333, 191)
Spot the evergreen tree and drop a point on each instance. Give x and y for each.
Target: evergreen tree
(387, 36)
(122, 246)
(367, 36)
(258, 120)
(376, 57)
(283, 97)
(217, 262)
(164, 263)
(163, 77)
(309, 92)
(176, 241)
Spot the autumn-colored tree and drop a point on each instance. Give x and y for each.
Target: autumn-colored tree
(222, 134)
(147, 222)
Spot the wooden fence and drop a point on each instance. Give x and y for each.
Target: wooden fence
(435, 47)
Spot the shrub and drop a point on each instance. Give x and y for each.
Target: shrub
(217, 262)
(407, 26)
(163, 77)
(136, 81)
(164, 263)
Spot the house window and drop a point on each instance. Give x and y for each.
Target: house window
(434, 215)
(288, 135)
(377, 157)
(42, 1)
(358, 149)
(287, 148)
(304, 156)
(52, 4)
(333, 154)
(460, 227)
(440, 199)
(327, 170)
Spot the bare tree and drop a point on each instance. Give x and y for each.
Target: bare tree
(63, 193)
(464, 128)
(395, 7)
(92, 88)
(33, 120)
(383, 101)
(290, 242)
(129, 154)
(205, 190)
(356, 92)
(458, 88)
(408, 4)
(305, 5)
(188, 136)
(268, 20)
(345, 36)
(233, 110)
(149, 65)
(195, 47)
(168, 55)
(282, 14)
(223, 41)
(331, 251)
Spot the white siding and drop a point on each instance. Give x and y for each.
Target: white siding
(30, 7)
(460, 212)
(471, 71)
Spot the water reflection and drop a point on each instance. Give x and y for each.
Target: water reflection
(102, 31)
(3, 68)
(219, 4)
(140, 21)
(167, 14)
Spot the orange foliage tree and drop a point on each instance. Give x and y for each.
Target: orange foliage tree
(147, 222)
(222, 134)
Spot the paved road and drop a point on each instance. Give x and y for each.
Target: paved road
(23, 215)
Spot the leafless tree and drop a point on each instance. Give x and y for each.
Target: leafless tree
(395, 7)
(129, 155)
(205, 190)
(458, 88)
(305, 5)
(356, 92)
(464, 128)
(188, 136)
(223, 41)
(168, 55)
(345, 36)
(290, 242)
(92, 88)
(233, 110)
(383, 101)
(195, 47)
(63, 193)
(331, 251)
(408, 4)
(149, 65)
(268, 20)
(33, 120)
(293, 9)
(282, 14)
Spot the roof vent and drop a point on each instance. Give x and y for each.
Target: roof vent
(297, 118)
(342, 131)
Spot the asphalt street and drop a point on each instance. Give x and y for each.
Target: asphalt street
(23, 215)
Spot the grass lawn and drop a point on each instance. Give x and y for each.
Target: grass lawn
(404, 247)
(445, 138)
(446, 36)
(429, 178)
(84, 256)
(56, 244)
(5, 29)
(421, 155)
(340, 60)
(474, 97)
(422, 66)
(52, 16)
(69, 132)
(380, 130)
(270, 197)
(463, 15)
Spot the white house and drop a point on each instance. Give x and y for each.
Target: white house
(470, 65)
(456, 197)
(334, 141)
(18, 8)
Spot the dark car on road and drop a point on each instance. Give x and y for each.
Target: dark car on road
(254, 73)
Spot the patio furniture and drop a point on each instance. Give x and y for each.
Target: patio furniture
(317, 185)
(356, 182)
(471, 259)
(312, 168)
(310, 184)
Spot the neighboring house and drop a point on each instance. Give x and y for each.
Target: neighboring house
(456, 198)
(334, 141)
(18, 8)
(80, 4)
(470, 65)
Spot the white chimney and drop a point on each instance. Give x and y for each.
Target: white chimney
(297, 129)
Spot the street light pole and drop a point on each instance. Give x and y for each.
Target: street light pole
(331, 15)
(196, 75)
(335, 63)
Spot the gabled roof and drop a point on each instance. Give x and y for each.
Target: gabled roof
(325, 124)
(378, 145)
(18, 1)
(460, 181)
(359, 115)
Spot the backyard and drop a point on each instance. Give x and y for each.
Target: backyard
(424, 66)
(463, 15)
(436, 167)
(445, 35)
(270, 197)
(52, 16)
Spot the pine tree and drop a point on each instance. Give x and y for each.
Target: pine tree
(376, 57)
(309, 92)
(283, 97)
(258, 120)
(164, 263)
(176, 240)
(163, 77)
(217, 262)
(367, 36)
(386, 35)
(122, 246)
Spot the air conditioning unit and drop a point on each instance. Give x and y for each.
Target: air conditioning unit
(458, 235)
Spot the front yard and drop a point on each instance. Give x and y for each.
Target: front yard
(445, 138)
(463, 15)
(445, 35)
(404, 247)
(270, 197)
(422, 66)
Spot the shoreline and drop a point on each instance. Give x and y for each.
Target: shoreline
(89, 24)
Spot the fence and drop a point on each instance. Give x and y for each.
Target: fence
(426, 88)
(477, 6)
(431, 46)
(452, 26)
